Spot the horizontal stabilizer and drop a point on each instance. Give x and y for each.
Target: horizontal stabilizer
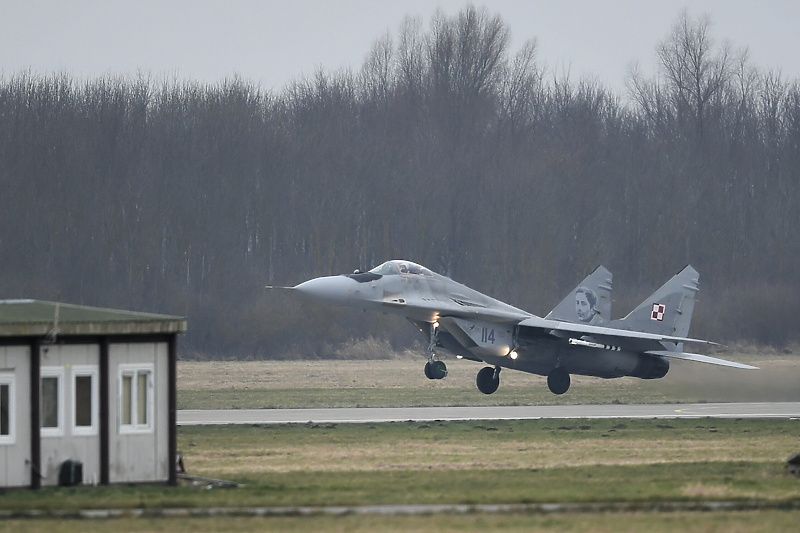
(699, 358)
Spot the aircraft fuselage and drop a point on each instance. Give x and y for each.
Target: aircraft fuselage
(577, 337)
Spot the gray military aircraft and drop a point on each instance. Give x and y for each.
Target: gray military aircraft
(577, 337)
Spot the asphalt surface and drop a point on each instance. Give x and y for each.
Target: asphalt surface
(393, 414)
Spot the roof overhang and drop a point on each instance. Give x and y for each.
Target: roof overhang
(39, 318)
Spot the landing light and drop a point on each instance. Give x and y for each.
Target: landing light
(459, 357)
(513, 354)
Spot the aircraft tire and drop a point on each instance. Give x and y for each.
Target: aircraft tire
(486, 381)
(558, 381)
(438, 370)
(428, 371)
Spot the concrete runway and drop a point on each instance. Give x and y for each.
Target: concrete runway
(420, 414)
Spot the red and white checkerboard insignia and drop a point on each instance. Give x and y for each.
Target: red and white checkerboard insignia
(658, 312)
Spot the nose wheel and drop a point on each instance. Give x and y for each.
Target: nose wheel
(435, 370)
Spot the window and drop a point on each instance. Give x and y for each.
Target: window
(136, 399)
(85, 401)
(50, 401)
(6, 409)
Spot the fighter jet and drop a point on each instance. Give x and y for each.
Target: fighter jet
(578, 337)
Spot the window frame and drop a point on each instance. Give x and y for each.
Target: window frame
(56, 372)
(9, 380)
(93, 372)
(134, 371)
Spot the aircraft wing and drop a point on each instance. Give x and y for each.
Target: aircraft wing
(571, 330)
(649, 343)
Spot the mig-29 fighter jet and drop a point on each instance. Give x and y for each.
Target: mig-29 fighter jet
(577, 337)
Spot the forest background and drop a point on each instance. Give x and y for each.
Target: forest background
(446, 148)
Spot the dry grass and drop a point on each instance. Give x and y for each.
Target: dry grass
(323, 374)
(499, 445)
(686, 382)
(708, 492)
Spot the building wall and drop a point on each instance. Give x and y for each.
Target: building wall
(138, 448)
(139, 452)
(15, 450)
(69, 441)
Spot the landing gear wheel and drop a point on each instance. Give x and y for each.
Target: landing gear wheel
(488, 380)
(435, 370)
(439, 370)
(558, 381)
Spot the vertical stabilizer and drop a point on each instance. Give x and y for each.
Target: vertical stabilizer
(668, 311)
(589, 302)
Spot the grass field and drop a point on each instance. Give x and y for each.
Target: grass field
(400, 383)
(533, 461)
(478, 445)
(642, 462)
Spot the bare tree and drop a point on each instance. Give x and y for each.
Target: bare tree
(445, 148)
(694, 70)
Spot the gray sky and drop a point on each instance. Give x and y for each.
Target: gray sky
(272, 42)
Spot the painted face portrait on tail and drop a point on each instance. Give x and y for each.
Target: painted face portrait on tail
(586, 306)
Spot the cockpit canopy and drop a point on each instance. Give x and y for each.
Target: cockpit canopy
(398, 266)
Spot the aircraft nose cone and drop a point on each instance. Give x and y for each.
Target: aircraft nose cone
(332, 289)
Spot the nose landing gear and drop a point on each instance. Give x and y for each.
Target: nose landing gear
(434, 369)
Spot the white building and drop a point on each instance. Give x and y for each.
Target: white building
(87, 395)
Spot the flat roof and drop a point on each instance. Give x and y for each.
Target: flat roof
(39, 318)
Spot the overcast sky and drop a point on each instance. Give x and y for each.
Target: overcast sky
(272, 42)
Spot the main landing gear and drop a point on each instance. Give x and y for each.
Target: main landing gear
(558, 380)
(488, 379)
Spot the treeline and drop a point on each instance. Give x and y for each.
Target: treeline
(445, 148)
